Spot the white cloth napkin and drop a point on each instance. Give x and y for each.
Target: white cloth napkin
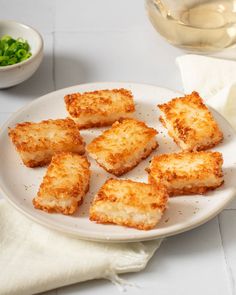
(214, 79)
(34, 259)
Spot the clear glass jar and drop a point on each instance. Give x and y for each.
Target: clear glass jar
(199, 26)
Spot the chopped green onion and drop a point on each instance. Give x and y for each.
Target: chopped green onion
(21, 53)
(13, 51)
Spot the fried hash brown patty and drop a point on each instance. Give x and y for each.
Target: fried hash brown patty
(99, 108)
(187, 172)
(64, 185)
(38, 142)
(129, 203)
(123, 146)
(190, 123)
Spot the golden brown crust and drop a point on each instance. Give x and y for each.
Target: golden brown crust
(64, 184)
(190, 123)
(138, 198)
(138, 194)
(37, 142)
(36, 163)
(123, 170)
(99, 108)
(97, 124)
(199, 190)
(103, 219)
(187, 172)
(59, 209)
(123, 146)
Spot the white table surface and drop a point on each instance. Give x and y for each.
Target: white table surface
(107, 40)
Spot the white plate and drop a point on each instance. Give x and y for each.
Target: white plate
(19, 184)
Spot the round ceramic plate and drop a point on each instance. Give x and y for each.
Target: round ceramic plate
(19, 184)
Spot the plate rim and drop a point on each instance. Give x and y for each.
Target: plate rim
(99, 238)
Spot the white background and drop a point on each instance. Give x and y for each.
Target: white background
(107, 40)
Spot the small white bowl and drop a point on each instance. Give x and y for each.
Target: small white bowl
(14, 74)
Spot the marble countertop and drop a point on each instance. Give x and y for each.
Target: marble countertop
(107, 40)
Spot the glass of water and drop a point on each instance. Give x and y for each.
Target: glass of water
(195, 25)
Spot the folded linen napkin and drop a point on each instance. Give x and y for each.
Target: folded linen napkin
(34, 259)
(214, 79)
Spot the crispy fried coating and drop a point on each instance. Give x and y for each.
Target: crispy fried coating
(187, 172)
(99, 108)
(129, 203)
(190, 123)
(38, 142)
(64, 184)
(123, 146)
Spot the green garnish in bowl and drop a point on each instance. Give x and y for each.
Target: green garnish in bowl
(13, 51)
